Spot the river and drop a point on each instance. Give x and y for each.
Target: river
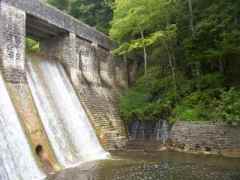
(155, 166)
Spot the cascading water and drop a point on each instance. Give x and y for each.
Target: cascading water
(52, 121)
(16, 159)
(162, 131)
(65, 121)
(158, 131)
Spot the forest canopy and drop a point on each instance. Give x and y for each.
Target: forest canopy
(96, 13)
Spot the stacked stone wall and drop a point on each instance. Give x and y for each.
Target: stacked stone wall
(215, 138)
(193, 137)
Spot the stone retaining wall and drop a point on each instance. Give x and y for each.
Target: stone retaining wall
(214, 138)
(192, 137)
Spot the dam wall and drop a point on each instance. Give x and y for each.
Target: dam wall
(64, 98)
(85, 53)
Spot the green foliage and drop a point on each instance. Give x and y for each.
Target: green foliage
(229, 106)
(198, 106)
(60, 4)
(158, 37)
(201, 99)
(32, 46)
(152, 97)
(216, 25)
(97, 13)
(210, 81)
(139, 23)
(128, 47)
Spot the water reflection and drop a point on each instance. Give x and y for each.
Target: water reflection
(168, 171)
(86, 171)
(164, 166)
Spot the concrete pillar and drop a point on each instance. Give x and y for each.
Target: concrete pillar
(106, 67)
(69, 57)
(121, 73)
(12, 43)
(61, 48)
(132, 71)
(88, 63)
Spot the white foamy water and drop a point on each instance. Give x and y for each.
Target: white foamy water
(16, 158)
(68, 128)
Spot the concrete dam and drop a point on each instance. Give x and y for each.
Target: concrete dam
(58, 107)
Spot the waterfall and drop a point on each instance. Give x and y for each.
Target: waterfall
(68, 128)
(16, 159)
(162, 131)
(158, 131)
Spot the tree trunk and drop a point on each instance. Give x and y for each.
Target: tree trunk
(144, 54)
(221, 66)
(145, 60)
(191, 21)
(171, 59)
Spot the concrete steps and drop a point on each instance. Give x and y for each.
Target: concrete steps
(105, 116)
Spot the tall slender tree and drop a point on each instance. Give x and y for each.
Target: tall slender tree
(138, 24)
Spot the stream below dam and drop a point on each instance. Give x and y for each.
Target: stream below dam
(167, 165)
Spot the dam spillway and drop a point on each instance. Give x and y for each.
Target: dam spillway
(70, 132)
(16, 160)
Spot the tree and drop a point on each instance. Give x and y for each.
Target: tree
(97, 13)
(61, 4)
(198, 40)
(191, 23)
(139, 24)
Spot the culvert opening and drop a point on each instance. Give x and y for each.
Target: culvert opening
(42, 155)
(39, 150)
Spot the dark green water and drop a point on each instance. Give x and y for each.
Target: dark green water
(155, 166)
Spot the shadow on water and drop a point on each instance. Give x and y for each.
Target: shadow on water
(155, 166)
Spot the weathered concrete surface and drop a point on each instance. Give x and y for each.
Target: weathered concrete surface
(50, 15)
(97, 88)
(97, 78)
(12, 42)
(22, 99)
(62, 49)
(83, 51)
